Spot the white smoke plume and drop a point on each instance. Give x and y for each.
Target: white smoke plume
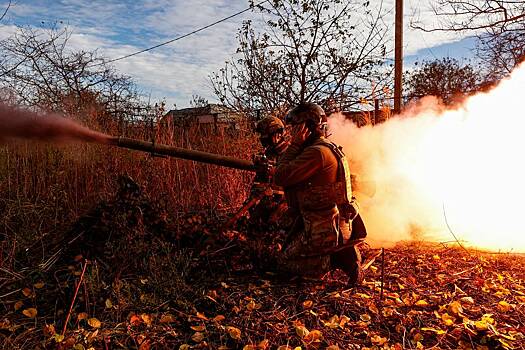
(443, 171)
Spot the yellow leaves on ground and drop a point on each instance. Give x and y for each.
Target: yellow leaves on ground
(336, 321)
(148, 319)
(377, 340)
(434, 330)
(301, 331)
(234, 333)
(455, 308)
(109, 304)
(447, 319)
(82, 316)
(467, 300)
(27, 292)
(252, 305)
(31, 312)
(365, 318)
(95, 323)
(314, 336)
(484, 323)
(39, 285)
(422, 303)
(503, 306)
(184, 347)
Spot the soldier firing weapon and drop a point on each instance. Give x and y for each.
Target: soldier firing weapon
(266, 202)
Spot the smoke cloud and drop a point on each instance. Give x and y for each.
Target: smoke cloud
(442, 171)
(21, 124)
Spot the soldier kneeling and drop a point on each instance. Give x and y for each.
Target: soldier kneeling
(316, 179)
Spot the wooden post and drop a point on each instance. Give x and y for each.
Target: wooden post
(382, 273)
(398, 57)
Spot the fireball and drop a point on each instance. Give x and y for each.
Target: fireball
(446, 174)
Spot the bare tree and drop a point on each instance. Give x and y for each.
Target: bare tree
(309, 50)
(39, 70)
(498, 24)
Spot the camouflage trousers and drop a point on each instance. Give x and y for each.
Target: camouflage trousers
(312, 234)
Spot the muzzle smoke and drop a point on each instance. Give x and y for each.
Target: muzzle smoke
(20, 124)
(441, 171)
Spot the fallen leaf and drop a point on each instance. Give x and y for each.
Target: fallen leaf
(58, 338)
(198, 328)
(307, 304)
(95, 323)
(235, 333)
(249, 347)
(201, 316)
(82, 316)
(455, 308)
(148, 320)
(378, 340)
(263, 344)
(167, 319)
(18, 305)
(49, 330)
(39, 285)
(197, 337)
(422, 303)
(109, 304)
(467, 300)
(135, 320)
(314, 336)
(27, 292)
(503, 306)
(365, 317)
(184, 347)
(31, 312)
(301, 331)
(447, 319)
(435, 330)
(219, 318)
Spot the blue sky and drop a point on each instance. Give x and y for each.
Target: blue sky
(179, 70)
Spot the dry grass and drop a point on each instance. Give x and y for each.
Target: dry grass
(46, 187)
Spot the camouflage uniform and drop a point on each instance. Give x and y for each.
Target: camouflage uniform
(315, 177)
(266, 204)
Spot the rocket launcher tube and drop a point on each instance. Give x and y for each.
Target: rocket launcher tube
(183, 153)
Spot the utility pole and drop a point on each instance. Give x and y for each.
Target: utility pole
(398, 58)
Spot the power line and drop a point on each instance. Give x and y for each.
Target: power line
(182, 36)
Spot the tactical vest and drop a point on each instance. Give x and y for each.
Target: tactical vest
(339, 194)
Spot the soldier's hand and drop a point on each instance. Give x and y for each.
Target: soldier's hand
(300, 133)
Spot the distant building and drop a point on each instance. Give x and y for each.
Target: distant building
(215, 116)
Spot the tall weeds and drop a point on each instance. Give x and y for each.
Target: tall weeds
(45, 187)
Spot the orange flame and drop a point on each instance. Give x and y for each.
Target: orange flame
(446, 171)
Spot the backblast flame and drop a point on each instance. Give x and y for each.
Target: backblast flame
(444, 171)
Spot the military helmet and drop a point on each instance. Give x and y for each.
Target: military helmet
(306, 112)
(270, 125)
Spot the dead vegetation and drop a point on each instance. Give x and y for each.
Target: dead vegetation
(90, 259)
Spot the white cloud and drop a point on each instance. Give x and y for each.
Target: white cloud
(178, 70)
